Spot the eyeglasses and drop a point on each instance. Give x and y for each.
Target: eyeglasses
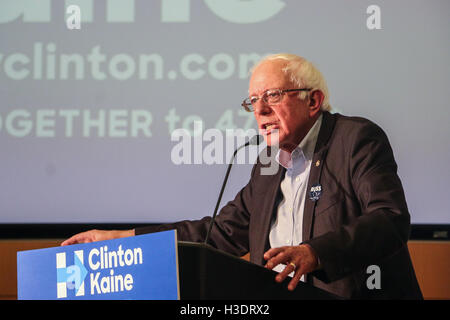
(271, 97)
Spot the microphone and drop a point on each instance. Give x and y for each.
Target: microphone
(255, 140)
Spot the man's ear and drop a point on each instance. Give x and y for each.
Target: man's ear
(315, 102)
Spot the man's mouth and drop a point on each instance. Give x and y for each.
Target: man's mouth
(267, 128)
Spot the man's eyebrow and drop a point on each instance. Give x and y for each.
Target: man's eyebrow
(252, 95)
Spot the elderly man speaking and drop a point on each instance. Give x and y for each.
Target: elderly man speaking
(335, 206)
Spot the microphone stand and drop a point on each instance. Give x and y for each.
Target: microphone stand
(254, 141)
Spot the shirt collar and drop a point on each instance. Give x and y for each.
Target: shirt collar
(305, 148)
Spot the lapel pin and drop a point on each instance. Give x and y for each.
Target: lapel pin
(317, 163)
(315, 192)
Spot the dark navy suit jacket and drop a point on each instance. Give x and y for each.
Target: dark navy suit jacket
(360, 219)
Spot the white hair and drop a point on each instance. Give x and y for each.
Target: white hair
(303, 74)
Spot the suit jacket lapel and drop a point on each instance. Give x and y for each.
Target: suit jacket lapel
(276, 198)
(318, 160)
(264, 219)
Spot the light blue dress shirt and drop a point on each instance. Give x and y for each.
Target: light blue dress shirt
(286, 226)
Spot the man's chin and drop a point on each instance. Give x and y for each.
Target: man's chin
(272, 139)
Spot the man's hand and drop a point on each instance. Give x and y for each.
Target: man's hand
(300, 259)
(97, 235)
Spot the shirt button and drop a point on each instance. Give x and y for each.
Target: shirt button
(297, 179)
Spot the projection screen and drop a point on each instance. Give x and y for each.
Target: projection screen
(88, 114)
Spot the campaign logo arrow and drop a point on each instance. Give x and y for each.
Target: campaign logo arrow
(74, 275)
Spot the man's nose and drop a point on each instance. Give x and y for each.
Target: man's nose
(262, 108)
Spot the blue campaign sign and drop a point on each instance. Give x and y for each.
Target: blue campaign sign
(143, 267)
